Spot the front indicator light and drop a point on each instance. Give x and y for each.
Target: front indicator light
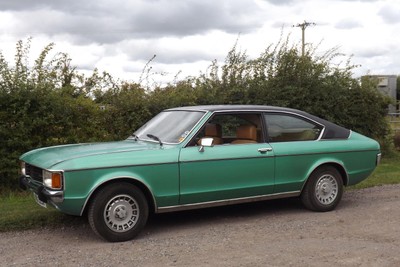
(52, 180)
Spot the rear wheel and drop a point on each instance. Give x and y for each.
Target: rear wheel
(323, 190)
(118, 212)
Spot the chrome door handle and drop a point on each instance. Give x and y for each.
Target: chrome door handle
(264, 150)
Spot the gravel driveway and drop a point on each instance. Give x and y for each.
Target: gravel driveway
(363, 231)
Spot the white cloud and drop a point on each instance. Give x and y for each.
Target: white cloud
(348, 24)
(390, 13)
(120, 36)
(113, 21)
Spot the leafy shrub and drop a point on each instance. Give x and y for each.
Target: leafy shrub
(51, 103)
(396, 140)
(281, 76)
(42, 105)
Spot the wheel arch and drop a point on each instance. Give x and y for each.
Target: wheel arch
(337, 165)
(140, 184)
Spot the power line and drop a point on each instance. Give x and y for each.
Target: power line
(303, 26)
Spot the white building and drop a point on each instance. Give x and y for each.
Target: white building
(387, 84)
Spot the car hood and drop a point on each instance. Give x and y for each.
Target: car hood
(49, 157)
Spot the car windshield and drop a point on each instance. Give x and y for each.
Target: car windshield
(169, 126)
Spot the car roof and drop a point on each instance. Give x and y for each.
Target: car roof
(213, 108)
(332, 131)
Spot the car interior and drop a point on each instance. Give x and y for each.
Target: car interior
(241, 128)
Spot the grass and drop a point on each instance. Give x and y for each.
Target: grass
(19, 211)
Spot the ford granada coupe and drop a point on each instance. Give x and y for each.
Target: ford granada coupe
(197, 157)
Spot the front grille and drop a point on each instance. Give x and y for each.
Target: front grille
(34, 172)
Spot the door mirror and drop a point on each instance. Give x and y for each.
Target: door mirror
(208, 141)
(205, 142)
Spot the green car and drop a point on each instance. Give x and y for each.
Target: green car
(198, 157)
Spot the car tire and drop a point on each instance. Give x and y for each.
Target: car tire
(118, 212)
(323, 190)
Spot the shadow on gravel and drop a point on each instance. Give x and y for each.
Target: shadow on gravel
(165, 222)
(193, 218)
(77, 228)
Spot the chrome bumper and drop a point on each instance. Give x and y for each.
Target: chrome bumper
(44, 194)
(378, 159)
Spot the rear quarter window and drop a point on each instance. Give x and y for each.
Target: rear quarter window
(286, 128)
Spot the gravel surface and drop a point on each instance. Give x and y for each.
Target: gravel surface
(364, 230)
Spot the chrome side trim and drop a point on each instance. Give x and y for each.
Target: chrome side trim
(278, 156)
(327, 153)
(225, 202)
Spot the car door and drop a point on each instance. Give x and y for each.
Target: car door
(233, 168)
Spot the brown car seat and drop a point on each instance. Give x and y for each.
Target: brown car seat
(213, 131)
(246, 134)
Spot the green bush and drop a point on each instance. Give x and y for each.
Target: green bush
(396, 140)
(281, 76)
(51, 103)
(42, 105)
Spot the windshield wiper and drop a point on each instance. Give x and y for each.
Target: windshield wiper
(155, 138)
(135, 137)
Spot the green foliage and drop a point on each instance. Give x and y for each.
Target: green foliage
(125, 109)
(396, 140)
(50, 103)
(180, 94)
(42, 105)
(281, 76)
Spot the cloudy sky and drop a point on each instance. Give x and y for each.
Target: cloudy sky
(120, 36)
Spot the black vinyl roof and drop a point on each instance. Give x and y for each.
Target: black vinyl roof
(332, 131)
(213, 108)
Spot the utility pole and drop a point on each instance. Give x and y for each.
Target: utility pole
(303, 26)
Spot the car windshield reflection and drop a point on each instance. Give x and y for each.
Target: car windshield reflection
(170, 127)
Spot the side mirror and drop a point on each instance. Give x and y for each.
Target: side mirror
(206, 142)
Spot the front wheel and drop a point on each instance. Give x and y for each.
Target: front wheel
(118, 212)
(323, 190)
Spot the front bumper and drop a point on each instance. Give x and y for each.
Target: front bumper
(44, 194)
(378, 158)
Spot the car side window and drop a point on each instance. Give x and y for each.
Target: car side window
(286, 128)
(232, 128)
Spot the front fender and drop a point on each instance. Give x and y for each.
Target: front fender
(162, 182)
